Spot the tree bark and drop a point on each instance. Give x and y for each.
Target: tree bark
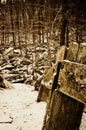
(12, 21)
(63, 31)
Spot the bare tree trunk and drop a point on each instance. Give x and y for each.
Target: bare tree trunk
(18, 20)
(63, 31)
(67, 36)
(3, 36)
(49, 51)
(12, 21)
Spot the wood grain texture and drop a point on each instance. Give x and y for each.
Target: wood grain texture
(72, 80)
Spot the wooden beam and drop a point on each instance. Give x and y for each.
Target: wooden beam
(72, 80)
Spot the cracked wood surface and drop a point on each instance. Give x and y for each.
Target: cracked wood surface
(72, 80)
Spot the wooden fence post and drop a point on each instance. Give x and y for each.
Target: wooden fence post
(67, 103)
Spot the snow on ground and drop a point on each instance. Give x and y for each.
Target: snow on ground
(83, 121)
(19, 109)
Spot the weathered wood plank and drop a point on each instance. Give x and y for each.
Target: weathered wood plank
(72, 52)
(46, 85)
(48, 78)
(61, 53)
(67, 103)
(72, 80)
(65, 113)
(81, 57)
(77, 53)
